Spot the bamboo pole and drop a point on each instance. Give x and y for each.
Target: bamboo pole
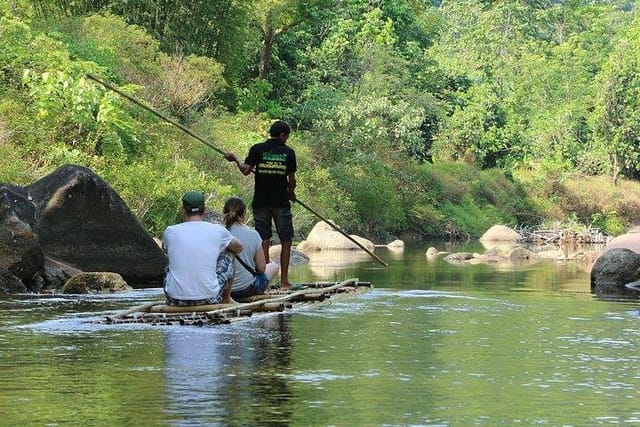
(138, 309)
(285, 298)
(155, 112)
(210, 145)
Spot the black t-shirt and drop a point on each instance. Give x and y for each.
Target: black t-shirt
(273, 161)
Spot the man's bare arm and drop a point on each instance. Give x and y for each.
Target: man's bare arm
(243, 167)
(235, 246)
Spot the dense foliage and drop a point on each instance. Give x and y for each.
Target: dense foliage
(431, 119)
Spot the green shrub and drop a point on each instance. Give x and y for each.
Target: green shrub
(472, 219)
(377, 202)
(152, 188)
(609, 223)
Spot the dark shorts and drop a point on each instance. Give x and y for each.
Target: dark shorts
(258, 287)
(263, 217)
(192, 302)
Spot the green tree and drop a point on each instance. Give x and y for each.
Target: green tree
(616, 117)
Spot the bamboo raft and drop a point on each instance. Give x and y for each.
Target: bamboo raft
(311, 294)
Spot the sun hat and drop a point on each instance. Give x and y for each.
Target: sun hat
(193, 201)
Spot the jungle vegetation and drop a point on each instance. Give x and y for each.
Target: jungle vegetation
(425, 119)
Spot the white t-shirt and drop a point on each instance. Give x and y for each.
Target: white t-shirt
(193, 248)
(251, 242)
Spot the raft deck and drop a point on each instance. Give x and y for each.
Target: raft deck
(311, 294)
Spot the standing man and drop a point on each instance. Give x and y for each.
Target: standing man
(274, 165)
(200, 267)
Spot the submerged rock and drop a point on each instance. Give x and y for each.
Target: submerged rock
(432, 253)
(297, 257)
(520, 254)
(396, 244)
(459, 257)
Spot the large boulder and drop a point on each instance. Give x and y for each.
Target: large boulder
(500, 233)
(324, 237)
(9, 283)
(614, 269)
(630, 240)
(20, 253)
(82, 222)
(19, 201)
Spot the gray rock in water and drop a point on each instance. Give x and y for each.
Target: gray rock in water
(19, 201)
(9, 283)
(458, 257)
(296, 258)
(520, 254)
(95, 282)
(81, 221)
(56, 273)
(20, 253)
(614, 269)
(324, 237)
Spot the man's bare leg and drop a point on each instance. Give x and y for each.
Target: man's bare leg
(265, 248)
(226, 293)
(285, 255)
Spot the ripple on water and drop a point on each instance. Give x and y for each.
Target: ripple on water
(315, 378)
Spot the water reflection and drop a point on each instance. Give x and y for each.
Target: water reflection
(212, 374)
(393, 252)
(329, 264)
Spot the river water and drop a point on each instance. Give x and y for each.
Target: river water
(432, 344)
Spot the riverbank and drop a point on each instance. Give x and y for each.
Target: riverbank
(467, 201)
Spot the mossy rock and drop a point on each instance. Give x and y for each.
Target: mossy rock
(95, 282)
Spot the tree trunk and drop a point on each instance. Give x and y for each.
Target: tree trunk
(615, 170)
(265, 52)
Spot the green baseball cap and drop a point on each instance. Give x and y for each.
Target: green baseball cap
(193, 201)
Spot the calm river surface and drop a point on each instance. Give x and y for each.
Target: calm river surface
(432, 345)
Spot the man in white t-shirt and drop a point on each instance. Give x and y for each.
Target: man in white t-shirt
(196, 249)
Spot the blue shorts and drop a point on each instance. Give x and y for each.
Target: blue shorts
(224, 268)
(259, 285)
(282, 217)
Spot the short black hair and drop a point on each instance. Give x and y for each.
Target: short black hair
(278, 128)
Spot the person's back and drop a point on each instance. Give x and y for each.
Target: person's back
(274, 163)
(252, 272)
(197, 257)
(251, 243)
(192, 254)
